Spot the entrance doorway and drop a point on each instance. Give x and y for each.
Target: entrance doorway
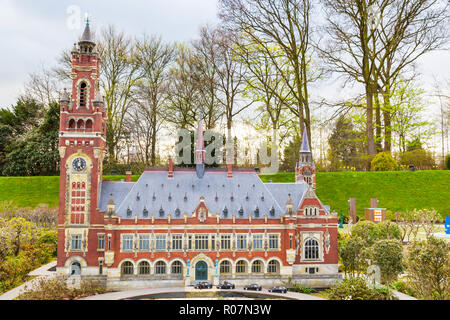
(201, 271)
(75, 269)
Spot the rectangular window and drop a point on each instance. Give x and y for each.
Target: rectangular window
(76, 242)
(290, 241)
(257, 242)
(201, 242)
(160, 242)
(144, 242)
(190, 242)
(177, 242)
(109, 242)
(213, 242)
(225, 241)
(242, 242)
(101, 242)
(127, 242)
(273, 241)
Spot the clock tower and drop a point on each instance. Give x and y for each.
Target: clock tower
(82, 144)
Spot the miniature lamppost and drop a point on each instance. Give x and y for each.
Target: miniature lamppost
(341, 220)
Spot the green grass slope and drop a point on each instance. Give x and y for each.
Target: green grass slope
(396, 191)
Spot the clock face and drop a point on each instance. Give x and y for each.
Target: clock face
(79, 164)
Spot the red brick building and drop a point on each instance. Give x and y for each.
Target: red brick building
(175, 226)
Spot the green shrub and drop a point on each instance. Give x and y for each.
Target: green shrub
(429, 268)
(389, 230)
(420, 158)
(356, 289)
(388, 255)
(403, 287)
(383, 162)
(366, 230)
(299, 288)
(447, 162)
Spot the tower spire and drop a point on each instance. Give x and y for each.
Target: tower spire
(305, 143)
(200, 151)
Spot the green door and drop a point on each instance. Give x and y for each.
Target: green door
(201, 271)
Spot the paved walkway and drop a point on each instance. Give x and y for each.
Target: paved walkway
(40, 273)
(148, 292)
(402, 296)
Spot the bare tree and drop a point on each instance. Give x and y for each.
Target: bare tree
(207, 53)
(350, 50)
(406, 30)
(42, 87)
(286, 24)
(154, 58)
(120, 75)
(183, 108)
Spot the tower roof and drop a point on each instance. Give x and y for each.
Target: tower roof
(305, 142)
(200, 143)
(87, 35)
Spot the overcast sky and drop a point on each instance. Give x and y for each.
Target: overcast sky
(34, 33)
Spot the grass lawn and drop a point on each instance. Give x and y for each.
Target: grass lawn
(395, 190)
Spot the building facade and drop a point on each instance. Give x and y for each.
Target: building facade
(175, 226)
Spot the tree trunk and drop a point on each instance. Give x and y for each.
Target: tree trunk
(378, 123)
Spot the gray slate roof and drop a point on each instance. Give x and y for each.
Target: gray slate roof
(245, 190)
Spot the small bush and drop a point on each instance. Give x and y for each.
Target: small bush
(383, 162)
(447, 162)
(403, 287)
(301, 289)
(356, 289)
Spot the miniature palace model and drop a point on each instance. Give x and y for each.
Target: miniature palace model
(175, 226)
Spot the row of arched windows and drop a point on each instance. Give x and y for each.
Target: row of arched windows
(256, 267)
(143, 268)
(241, 267)
(81, 124)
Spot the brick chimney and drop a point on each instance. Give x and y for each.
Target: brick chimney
(170, 168)
(128, 176)
(230, 170)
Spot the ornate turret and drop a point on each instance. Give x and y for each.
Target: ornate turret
(305, 168)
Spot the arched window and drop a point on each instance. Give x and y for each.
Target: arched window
(80, 124)
(225, 267)
(177, 267)
(144, 267)
(257, 266)
(273, 267)
(127, 268)
(89, 124)
(83, 93)
(160, 267)
(241, 266)
(72, 124)
(311, 249)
